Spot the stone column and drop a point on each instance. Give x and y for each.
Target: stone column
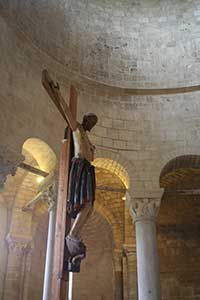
(9, 162)
(118, 274)
(51, 197)
(129, 272)
(144, 212)
(18, 248)
(27, 275)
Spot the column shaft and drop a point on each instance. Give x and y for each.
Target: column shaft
(49, 255)
(147, 260)
(118, 274)
(144, 213)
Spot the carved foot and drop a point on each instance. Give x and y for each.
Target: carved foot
(76, 252)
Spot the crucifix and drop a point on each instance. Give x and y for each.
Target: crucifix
(76, 187)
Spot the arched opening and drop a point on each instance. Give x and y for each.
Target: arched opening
(41, 152)
(114, 167)
(24, 230)
(179, 227)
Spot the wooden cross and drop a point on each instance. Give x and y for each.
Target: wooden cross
(59, 278)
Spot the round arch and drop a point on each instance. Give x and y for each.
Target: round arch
(179, 169)
(114, 167)
(41, 152)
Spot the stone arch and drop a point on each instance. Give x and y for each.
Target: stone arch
(41, 152)
(113, 167)
(108, 206)
(124, 166)
(23, 224)
(170, 155)
(187, 150)
(180, 168)
(183, 161)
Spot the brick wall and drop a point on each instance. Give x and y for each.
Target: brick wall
(179, 244)
(37, 261)
(96, 280)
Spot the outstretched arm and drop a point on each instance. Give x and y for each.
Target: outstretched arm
(54, 92)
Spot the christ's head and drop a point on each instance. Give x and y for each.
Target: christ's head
(89, 121)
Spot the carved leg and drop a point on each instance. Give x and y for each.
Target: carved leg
(81, 220)
(76, 248)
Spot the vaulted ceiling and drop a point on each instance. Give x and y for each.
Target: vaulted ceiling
(147, 43)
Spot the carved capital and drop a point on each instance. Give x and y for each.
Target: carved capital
(50, 195)
(49, 188)
(146, 208)
(18, 245)
(9, 162)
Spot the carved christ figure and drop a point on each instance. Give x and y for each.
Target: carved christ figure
(81, 189)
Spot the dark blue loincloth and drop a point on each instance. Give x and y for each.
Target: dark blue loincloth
(81, 188)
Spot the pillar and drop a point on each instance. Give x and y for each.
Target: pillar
(51, 196)
(129, 272)
(144, 212)
(18, 248)
(118, 274)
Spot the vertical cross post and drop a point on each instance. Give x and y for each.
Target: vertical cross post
(59, 284)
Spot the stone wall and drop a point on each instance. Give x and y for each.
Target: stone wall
(144, 131)
(96, 280)
(179, 243)
(37, 259)
(180, 270)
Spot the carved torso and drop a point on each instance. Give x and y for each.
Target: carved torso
(82, 145)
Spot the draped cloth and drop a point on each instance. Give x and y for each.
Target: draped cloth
(81, 188)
